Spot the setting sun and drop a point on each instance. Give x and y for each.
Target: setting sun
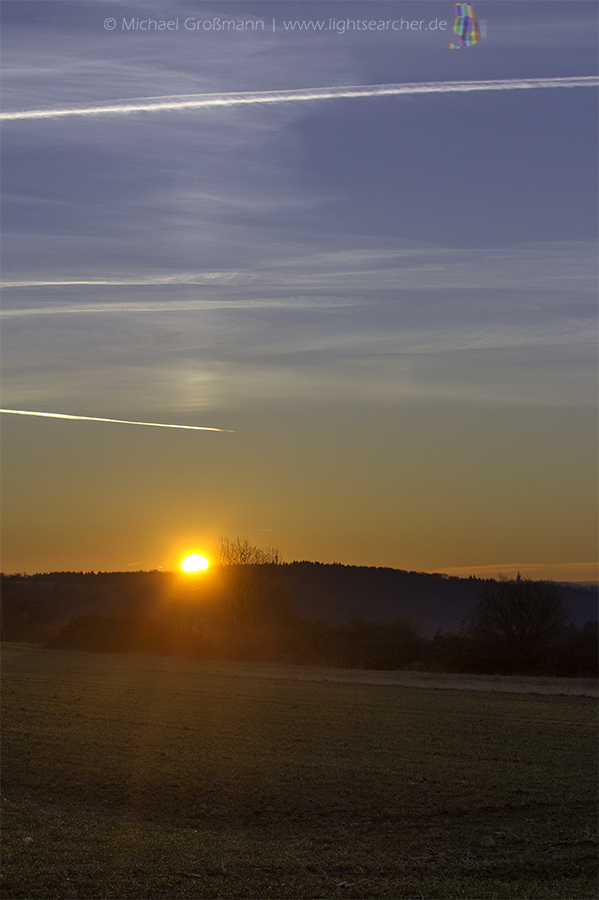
(194, 563)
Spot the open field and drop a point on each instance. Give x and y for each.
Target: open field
(146, 777)
(512, 684)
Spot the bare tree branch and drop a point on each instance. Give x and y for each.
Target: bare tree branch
(251, 588)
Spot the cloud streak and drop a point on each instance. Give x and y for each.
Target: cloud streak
(339, 277)
(170, 306)
(202, 278)
(46, 415)
(202, 101)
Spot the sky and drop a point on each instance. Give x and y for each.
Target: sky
(383, 303)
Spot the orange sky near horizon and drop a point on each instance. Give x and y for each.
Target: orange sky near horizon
(93, 497)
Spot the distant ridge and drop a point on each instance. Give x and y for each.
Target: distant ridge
(331, 591)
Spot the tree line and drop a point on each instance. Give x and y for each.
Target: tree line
(242, 612)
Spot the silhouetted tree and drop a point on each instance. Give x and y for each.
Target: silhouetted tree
(241, 552)
(515, 621)
(251, 589)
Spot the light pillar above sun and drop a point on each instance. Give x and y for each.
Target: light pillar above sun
(194, 563)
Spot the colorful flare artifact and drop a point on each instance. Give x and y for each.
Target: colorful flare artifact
(465, 26)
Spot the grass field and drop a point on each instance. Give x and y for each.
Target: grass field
(147, 777)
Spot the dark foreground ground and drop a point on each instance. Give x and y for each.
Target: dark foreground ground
(146, 777)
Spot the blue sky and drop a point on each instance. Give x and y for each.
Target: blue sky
(418, 269)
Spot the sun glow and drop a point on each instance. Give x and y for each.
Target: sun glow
(194, 563)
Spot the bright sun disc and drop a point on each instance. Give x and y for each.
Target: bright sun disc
(194, 563)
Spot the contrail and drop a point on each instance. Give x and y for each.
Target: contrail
(202, 101)
(27, 412)
(193, 278)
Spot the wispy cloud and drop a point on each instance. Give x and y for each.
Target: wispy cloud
(202, 101)
(337, 276)
(201, 278)
(175, 306)
(47, 415)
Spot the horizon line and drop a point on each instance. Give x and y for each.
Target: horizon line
(161, 570)
(200, 101)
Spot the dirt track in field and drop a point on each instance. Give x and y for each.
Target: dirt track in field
(514, 684)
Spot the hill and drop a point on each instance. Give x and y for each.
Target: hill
(35, 606)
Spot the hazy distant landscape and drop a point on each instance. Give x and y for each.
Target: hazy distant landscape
(299, 612)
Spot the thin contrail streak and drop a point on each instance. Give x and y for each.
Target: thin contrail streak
(202, 278)
(28, 412)
(201, 101)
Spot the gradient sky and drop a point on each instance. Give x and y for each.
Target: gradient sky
(389, 302)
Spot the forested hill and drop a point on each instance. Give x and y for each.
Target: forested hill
(35, 606)
(432, 602)
(338, 592)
